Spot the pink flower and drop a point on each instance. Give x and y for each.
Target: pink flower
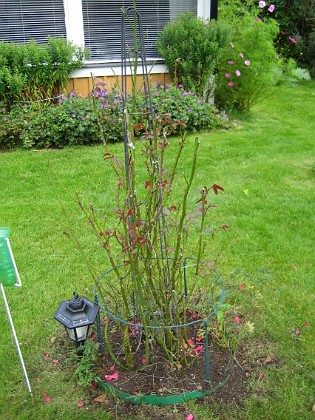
(238, 73)
(80, 404)
(190, 417)
(236, 319)
(271, 8)
(258, 19)
(242, 286)
(227, 75)
(262, 4)
(292, 39)
(260, 376)
(247, 63)
(143, 360)
(297, 332)
(230, 62)
(230, 84)
(241, 55)
(55, 361)
(283, 33)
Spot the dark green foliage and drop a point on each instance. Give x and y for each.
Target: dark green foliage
(296, 19)
(34, 71)
(190, 48)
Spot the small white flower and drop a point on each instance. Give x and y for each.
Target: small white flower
(262, 4)
(130, 144)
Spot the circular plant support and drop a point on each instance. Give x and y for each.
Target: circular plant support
(154, 399)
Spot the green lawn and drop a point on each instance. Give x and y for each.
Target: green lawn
(266, 165)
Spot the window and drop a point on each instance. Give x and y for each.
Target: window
(102, 23)
(23, 20)
(95, 24)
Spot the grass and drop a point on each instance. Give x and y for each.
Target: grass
(266, 166)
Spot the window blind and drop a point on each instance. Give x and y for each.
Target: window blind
(23, 20)
(102, 24)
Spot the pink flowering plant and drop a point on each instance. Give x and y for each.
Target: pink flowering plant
(249, 64)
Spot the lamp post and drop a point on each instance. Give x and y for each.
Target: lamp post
(76, 315)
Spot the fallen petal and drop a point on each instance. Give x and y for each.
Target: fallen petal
(260, 376)
(112, 377)
(81, 404)
(47, 355)
(46, 397)
(55, 361)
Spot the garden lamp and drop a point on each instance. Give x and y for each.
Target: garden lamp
(76, 315)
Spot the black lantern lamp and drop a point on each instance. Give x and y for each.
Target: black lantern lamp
(76, 315)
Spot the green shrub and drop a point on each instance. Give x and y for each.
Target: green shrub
(186, 107)
(34, 71)
(190, 48)
(77, 121)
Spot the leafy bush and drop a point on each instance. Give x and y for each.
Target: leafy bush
(186, 107)
(190, 48)
(76, 121)
(32, 71)
(249, 65)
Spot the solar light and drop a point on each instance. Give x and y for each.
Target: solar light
(76, 315)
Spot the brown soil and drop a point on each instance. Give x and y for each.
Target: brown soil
(227, 376)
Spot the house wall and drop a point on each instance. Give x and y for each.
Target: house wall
(84, 85)
(81, 80)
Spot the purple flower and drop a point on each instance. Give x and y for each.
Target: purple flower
(230, 62)
(72, 94)
(184, 94)
(230, 84)
(189, 110)
(180, 85)
(4, 118)
(271, 8)
(3, 109)
(156, 93)
(83, 118)
(227, 75)
(25, 106)
(247, 63)
(73, 116)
